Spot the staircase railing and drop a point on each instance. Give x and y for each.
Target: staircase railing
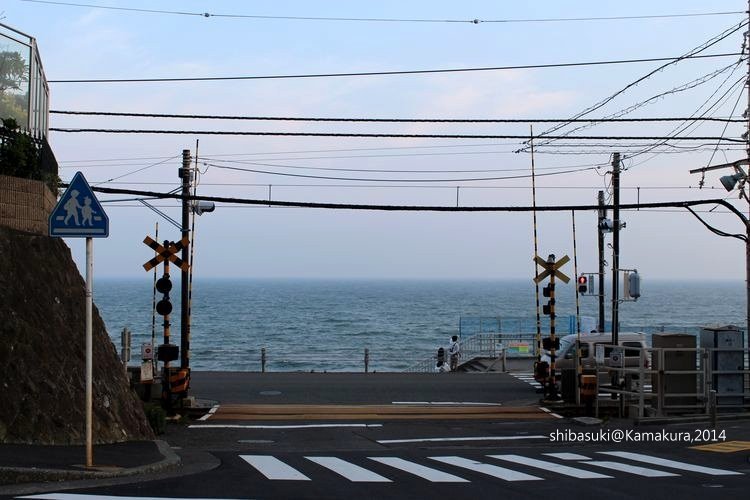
(485, 345)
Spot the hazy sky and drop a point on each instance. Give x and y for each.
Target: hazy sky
(84, 42)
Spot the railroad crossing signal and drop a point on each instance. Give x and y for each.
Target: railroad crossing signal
(168, 251)
(552, 268)
(552, 343)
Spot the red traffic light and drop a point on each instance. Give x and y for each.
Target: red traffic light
(582, 284)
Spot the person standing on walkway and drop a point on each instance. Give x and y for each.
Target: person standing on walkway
(453, 351)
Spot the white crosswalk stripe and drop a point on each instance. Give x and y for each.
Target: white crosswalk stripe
(672, 464)
(630, 469)
(432, 475)
(578, 467)
(352, 472)
(551, 467)
(273, 468)
(490, 470)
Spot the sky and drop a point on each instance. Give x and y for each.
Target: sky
(84, 42)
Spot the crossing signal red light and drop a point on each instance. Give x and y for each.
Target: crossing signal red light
(583, 284)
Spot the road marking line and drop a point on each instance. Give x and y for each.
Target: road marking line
(301, 426)
(551, 466)
(725, 447)
(550, 412)
(352, 472)
(79, 496)
(210, 413)
(632, 469)
(472, 438)
(567, 456)
(454, 403)
(490, 470)
(273, 468)
(673, 464)
(433, 475)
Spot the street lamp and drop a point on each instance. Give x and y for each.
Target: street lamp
(730, 181)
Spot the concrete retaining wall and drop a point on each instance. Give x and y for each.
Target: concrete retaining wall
(25, 204)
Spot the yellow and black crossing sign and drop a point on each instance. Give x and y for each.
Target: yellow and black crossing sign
(168, 252)
(551, 267)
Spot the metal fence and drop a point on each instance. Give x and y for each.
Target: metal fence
(700, 388)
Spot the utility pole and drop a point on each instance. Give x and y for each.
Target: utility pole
(746, 44)
(185, 175)
(602, 216)
(615, 245)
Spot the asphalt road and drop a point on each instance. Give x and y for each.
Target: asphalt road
(427, 458)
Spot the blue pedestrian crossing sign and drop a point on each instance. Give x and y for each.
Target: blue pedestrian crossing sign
(79, 214)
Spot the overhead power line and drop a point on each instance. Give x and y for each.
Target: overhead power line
(387, 19)
(369, 179)
(392, 73)
(388, 120)
(417, 208)
(382, 135)
(696, 51)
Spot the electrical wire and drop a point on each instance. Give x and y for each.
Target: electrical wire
(384, 120)
(691, 53)
(675, 90)
(139, 170)
(392, 73)
(373, 135)
(416, 208)
(366, 179)
(390, 171)
(737, 85)
(387, 20)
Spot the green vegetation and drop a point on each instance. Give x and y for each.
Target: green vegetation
(157, 417)
(21, 156)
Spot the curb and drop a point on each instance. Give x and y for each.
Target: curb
(15, 476)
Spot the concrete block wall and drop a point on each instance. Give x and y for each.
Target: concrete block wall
(25, 204)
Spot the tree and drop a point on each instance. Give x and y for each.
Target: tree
(13, 71)
(13, 93)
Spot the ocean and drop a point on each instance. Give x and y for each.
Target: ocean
(326, 325)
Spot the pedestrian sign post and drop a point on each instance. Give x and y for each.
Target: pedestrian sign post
(78, 214)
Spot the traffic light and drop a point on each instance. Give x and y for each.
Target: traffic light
(583, 284)
(548, 345)
(164, 285)
(549, 307)
(634, 285)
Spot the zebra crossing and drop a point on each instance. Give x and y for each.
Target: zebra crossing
(506, 467)
(528, 377)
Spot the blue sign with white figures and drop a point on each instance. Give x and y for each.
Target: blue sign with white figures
(79, 214)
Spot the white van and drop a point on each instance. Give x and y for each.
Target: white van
(565, 356)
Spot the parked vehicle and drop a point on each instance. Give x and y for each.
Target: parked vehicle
(565, 356)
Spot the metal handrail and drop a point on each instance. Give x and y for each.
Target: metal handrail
(485, 345)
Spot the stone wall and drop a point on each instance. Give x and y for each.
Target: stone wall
(42, 352)
(25, 204)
